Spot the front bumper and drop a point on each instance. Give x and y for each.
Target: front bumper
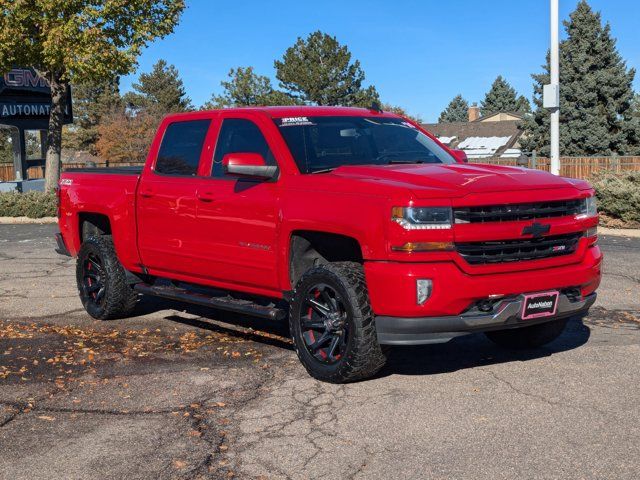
(420, 331)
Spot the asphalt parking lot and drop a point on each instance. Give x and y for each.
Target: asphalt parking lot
(184, 392)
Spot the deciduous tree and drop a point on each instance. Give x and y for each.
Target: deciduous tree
(91, 103)
(76, 42)
(123, 137)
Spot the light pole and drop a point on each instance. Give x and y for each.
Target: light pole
(551, 95)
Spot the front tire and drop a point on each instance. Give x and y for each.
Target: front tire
(534, 336)
(102, 282)
(333, 326)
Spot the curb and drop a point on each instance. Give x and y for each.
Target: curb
(27, 220)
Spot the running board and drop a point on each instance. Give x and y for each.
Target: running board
(225, 302)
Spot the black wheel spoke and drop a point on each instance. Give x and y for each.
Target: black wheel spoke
(318, 343)
(309, 323)
(318, 307)
(328, 300)
(95, 264)
(93, 288)
(333, 346)
(100, 294)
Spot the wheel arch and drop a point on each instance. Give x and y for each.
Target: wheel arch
(93, 224)
(308, 248)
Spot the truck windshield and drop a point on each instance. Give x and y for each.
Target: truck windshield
(320, 144)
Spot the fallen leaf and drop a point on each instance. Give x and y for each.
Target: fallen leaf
(45, 417)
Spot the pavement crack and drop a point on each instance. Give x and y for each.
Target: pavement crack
(541, 398)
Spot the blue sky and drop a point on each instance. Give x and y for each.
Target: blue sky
(419, 54)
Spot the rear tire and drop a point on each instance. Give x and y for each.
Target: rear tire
(102, 281)
(333, 326)
(534, 336)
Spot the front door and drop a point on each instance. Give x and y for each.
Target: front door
(237, 217)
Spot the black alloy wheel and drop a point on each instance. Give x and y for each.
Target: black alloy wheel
(102, 280)
(93, 280)
(324, 326)
(332, 324)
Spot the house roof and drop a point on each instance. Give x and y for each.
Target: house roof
(478, 139)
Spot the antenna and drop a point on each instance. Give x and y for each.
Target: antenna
(375, 107)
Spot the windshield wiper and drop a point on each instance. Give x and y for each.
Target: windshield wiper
(405, 161)
(324, 170)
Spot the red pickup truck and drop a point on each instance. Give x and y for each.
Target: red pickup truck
(355, 224)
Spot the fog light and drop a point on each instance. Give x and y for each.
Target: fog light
(423, 290)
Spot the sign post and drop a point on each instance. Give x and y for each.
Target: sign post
(551, 93)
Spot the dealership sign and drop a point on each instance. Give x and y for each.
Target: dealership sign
(24, 95)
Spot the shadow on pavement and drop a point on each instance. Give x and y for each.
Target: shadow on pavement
(474, 351)
(460, 353)
(255, 329)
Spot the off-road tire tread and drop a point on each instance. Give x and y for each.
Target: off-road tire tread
(366, 357)
(534, 336)
(120, 298)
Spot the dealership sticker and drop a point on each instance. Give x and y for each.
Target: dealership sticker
(295, 121)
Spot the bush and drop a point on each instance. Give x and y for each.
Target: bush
(32, 204)
(619, 196)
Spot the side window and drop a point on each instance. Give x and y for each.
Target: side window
(239, 135)
(181, 147)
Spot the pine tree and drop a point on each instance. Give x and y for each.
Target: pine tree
(523, 105)
(91, 103)
(456, 111)
(502, 97)
(596, 95)
(161, 91)
(245, 88)
(318, 70)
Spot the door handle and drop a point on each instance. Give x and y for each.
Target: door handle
(146, 193)
(206, 196)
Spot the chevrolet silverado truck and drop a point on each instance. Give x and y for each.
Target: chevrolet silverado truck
(356, 225)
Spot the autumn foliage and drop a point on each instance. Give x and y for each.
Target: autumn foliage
(126, 138)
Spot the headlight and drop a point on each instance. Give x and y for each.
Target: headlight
(422, 218)
(588, 207)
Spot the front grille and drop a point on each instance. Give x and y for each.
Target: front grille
(517, 211)
(502, 251)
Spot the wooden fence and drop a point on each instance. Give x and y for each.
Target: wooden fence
(576, 167)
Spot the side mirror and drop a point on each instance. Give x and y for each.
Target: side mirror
(248, 165)
(459, 155)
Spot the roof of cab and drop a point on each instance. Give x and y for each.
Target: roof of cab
(280, 112)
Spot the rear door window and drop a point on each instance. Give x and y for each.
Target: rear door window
(239, 135)
(181, 148)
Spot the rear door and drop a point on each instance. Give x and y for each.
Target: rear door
(167, 229)
(238, 216)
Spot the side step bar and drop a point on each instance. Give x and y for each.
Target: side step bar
(223, 302)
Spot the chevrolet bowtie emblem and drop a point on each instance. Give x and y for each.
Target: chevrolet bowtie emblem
(536, 229)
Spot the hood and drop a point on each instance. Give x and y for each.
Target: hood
(456, 180)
